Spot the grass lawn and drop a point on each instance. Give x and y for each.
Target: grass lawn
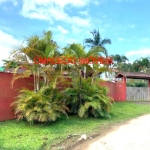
(19, 135)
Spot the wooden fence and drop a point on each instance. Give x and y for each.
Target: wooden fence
(138, 94)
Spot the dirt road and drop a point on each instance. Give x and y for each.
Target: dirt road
(134, 135)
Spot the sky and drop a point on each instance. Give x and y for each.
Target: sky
(125, 22)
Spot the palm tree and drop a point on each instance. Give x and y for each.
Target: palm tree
(95, 100)
(77, 51)
(97, 41)
(36, 47)
(44, 106)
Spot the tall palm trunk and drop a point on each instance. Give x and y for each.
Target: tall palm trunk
(84, 72)
(80, 86)
(34, 76)
(38, 79)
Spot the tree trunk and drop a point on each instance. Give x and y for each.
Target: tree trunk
(80, 85)
(45, 79)
(38, 79)
(84, 72)
(35, 90)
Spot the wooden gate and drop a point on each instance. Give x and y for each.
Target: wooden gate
(138, 94)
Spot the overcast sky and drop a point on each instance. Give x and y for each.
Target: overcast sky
(125, 22)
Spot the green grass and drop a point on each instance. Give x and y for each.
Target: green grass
(24, 136)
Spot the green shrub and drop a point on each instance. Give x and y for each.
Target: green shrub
(44, 106)
(137, 83)
(88, 99)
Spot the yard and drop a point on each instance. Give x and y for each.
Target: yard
(64, 132)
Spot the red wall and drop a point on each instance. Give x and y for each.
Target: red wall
(120, 94)
(111, 88)
(8, 94)
(117, 90)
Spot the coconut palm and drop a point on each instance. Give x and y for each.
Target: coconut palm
(97, 41)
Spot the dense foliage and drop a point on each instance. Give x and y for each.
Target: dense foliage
(139, 65)
(142, 65)
(84, 96)
(137, 83)
(94, 98)
(44, 106)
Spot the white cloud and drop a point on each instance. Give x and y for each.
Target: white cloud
(53, 10)
(62, 30)
(96, 2)
(2, 1)
(7, 42)
(14, 2)
(139, 53)
(79, 21)
(62, 3)
(121, 39)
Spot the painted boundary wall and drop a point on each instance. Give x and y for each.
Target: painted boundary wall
(116, 90)
(8, 94)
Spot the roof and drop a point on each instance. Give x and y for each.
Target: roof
(133, 75)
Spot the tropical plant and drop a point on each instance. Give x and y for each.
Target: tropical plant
(83, 58)
(46, 103)
(97, 41)
(141, 65)
(119, 62)
(44, 106)
(36, 47)
(83, 69)
(94, 99)
(10, 64)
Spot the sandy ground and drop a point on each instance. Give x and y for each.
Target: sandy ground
(134, 135)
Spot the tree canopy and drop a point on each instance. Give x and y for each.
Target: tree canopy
(97, 41)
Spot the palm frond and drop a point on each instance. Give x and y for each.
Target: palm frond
(44, 106)
(82, 111)
(25, 74)
(105, 41)
(95, 51)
